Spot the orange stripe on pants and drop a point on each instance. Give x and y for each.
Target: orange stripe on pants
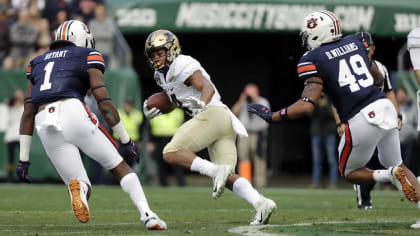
(346, 150)
(101, 127)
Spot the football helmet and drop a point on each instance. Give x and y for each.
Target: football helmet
(76, 32)
(162, 39)
(320, 27)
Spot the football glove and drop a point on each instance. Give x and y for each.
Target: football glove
(152, 113)
(22, 171)
(129, 151)
(261, 111)
(195, 105)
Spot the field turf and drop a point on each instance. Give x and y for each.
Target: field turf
(45, 210)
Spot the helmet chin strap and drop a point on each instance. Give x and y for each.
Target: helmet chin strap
(163, 69)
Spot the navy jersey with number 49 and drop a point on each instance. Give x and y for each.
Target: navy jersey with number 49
(62, 73)
(343, 67)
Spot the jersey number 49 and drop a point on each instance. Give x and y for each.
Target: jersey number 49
(360, 77)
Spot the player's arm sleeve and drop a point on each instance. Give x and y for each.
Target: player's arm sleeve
(29, 73)
(95, 59)
(187, 68)
(413, 39)
(306, 69)
(413, 46)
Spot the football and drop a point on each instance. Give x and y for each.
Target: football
(161, 101)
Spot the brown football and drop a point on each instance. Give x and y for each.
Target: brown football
(161, 101)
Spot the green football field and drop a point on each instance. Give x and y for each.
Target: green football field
(45, 210)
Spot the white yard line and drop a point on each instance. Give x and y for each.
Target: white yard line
(254, 230)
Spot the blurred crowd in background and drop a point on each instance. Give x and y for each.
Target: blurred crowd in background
(27, 27)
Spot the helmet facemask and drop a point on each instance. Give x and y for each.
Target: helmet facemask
(155, 65)
(304, 36)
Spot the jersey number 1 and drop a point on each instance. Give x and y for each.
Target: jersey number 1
(346, 77)
(48, 69)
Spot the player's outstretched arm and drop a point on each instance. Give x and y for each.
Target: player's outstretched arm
(127, 149)
(26, 131)
(310, 95)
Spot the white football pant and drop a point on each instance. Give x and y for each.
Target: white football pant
(375, 125)
(64, 127)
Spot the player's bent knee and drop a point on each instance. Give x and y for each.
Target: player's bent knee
(169, 156)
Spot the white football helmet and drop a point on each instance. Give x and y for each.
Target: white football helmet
(76, 32)
(320, 27)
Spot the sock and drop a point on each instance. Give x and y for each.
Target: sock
(244, 190)
(204, 167)
(131, 185)
(382, 175)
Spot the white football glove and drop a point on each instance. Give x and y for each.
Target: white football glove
(152, 113)
(195, 105)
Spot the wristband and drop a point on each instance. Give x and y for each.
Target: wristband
(102, 99)
(25, 146)
(100, 86)
(283, 114)
(121, 132)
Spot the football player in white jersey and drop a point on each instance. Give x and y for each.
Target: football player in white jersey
(413, 46)
(213, 125)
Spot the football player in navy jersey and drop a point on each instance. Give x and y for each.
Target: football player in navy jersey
(58, 82)
(384, 83)
(339, 67)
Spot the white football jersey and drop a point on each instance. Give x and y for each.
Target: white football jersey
(174, 83)
(413, 39)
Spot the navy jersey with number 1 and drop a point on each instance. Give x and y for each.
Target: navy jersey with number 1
(343, 67)
(62, 73)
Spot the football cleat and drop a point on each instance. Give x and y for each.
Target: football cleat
(219, 180)
(79, 204)
(153, 222)
(399, 179)
(416, 225)
(265, 207)
(363, 197)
